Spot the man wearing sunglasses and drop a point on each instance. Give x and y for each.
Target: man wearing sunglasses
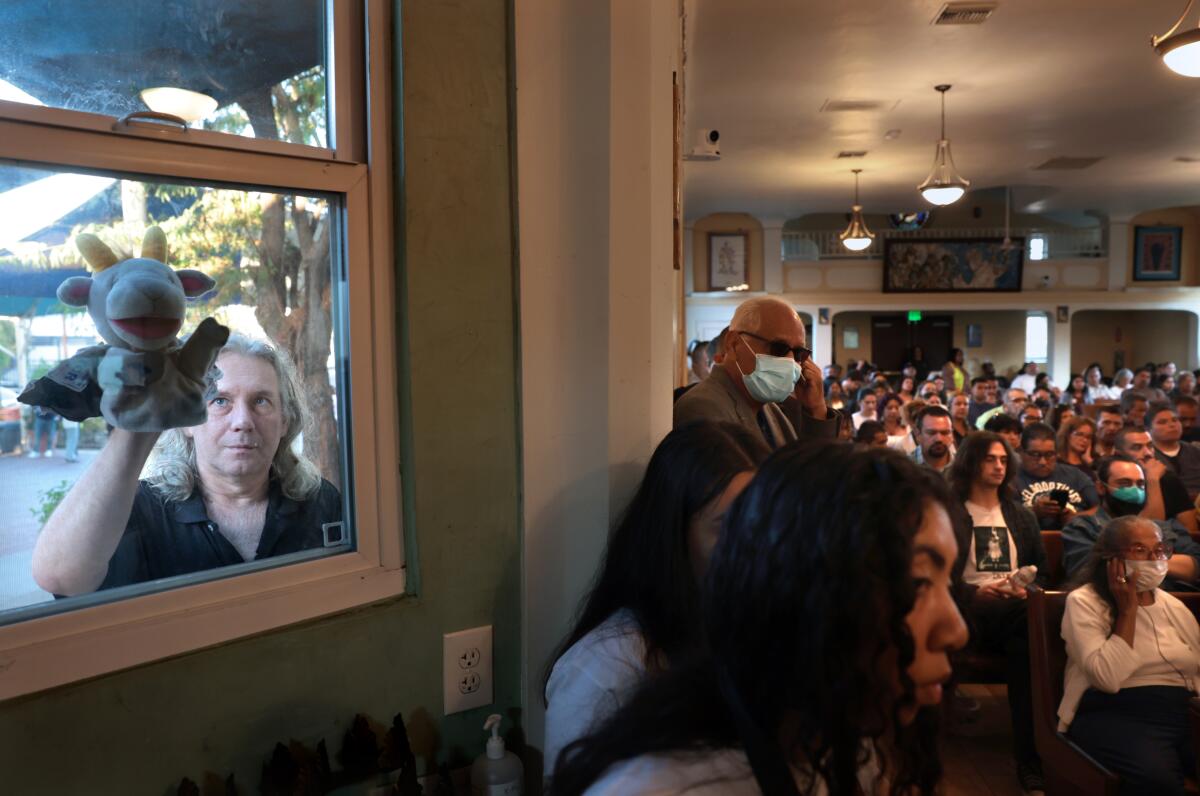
(1122, 485)
(767, 382)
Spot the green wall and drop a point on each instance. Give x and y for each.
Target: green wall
(222, 709)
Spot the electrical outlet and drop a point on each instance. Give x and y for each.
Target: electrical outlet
(467, 669)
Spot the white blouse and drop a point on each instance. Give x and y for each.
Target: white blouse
(591, 680)
(1165, 651)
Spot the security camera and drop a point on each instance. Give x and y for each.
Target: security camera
(706, 147)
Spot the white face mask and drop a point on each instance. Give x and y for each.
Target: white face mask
(772, 379)
(1147, 575)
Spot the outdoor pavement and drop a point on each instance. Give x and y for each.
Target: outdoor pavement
(23, 481)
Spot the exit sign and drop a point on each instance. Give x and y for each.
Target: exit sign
(914, 316)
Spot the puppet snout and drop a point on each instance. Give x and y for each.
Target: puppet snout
(145, 310)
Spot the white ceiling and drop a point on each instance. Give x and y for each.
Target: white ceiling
(1040, 79)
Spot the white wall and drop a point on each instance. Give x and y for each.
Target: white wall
(597, 288)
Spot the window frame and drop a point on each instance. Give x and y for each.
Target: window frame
(43, 652)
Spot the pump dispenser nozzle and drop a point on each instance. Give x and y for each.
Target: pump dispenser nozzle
(495, 744)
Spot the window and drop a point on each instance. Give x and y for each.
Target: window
(265, 191)
(1036, 338)
(1039, 247)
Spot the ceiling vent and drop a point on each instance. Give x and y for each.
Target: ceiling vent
(1067, 164)
(844, 106)
(846, 153)
(964, 13)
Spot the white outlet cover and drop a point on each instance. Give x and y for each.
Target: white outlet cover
(467, 669)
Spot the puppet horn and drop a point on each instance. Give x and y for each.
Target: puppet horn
(95, 251)
(154, 245)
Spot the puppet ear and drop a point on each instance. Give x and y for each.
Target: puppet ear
(154, 245)
(74, 291)
(195, 283)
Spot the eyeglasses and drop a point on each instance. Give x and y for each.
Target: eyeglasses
(780, 348)
(1044, 455)
(1160, 552)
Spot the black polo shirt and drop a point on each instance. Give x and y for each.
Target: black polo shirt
(165, 538)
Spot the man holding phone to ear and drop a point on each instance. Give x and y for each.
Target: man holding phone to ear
(1055, 492)
(767, 382)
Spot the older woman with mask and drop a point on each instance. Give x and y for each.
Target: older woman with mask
(1133, 662)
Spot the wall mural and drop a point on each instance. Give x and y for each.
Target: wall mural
(933, 266)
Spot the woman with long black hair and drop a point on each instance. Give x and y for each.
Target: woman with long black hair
(829, 618)
(642, 612)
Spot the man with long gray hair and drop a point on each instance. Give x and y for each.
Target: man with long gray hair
(228, 491)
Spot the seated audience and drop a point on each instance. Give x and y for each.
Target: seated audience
(1185, 384)
(981, 386)
(700, 366)
(1055, 492)
(1096, 391)
(1076, 392)
(899, 437)
(1143, 385)
(1015, 401)
(1183, 458)
(1062, 414)
(834, 397)
(854, 608)
(223, 493)
(1122, 380)
(1132, 663)
(960, 410)
(765, 365)
(1026, 380)
(1031, 414)
(934, 431)
(1075, 439)
(929, 393)
(1122, 485)
(833, 373)
(1165, 385)
(1133, 408)
(1002, 537)
(1009, 429)
(1166, 369)
(906, 389)
(866, 408)
(642, 614)
(1166, 496)
(1109, 423)
(1186, 406)
(871, 433)
(953, 374)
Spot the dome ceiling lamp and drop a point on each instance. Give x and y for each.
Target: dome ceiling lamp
(1180, 51)
(944, 185)
(856, 236)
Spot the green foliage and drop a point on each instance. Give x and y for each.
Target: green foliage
(49, 501)
(8, 341)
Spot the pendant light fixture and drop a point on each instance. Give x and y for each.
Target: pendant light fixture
(856, 236)
(1180, 51)
(943, 186)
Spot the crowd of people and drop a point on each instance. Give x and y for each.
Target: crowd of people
(781, 604)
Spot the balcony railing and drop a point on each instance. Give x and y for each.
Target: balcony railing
(1059, 244)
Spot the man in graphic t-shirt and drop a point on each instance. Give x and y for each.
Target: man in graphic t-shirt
(1055, 492)
(1001, 538)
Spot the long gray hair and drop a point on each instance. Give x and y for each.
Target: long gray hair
(172, 465)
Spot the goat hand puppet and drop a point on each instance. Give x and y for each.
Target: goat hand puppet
(143, 379)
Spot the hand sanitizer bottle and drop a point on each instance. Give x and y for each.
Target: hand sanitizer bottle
(496, 773)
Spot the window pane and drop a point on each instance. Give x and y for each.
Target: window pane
(255, 69)
(272, 259)
(1036, 341)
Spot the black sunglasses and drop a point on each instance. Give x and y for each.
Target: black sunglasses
(779, 348)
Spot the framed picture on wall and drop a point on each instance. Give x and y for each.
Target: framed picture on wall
(1156, 254)
(727, 252)
(912, 265)
(974, 335)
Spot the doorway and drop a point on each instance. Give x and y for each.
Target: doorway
(894, 338)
